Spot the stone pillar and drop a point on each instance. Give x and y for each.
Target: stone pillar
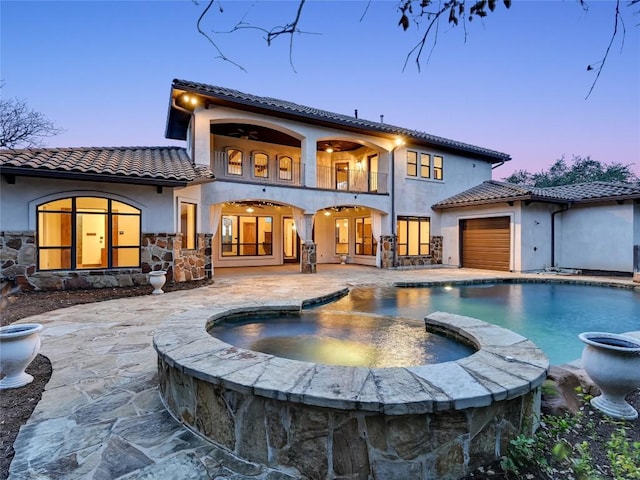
(636, 263)
(308, 257)
(436, 250)
(387, 251)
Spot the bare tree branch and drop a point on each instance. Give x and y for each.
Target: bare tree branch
(598, 66)
(221, 55)
(22, 127)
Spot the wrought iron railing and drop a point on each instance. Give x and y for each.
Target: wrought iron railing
(292, 173)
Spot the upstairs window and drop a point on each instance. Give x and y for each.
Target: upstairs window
(412, 163)
(260, 165)
(438, 167)
(425, 165)
(88, 233)
(285, 168)
(234, 161)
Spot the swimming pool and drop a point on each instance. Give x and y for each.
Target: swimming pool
(549, 314)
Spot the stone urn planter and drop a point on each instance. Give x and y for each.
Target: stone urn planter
(613, 363)
(157, 279)
(19, 345)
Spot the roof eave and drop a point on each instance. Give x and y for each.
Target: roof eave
(493, 201)
(96, 177)
(384, 130)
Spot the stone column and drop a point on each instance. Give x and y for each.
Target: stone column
(436, 250)
(387, 251)
(308, 257)
(636, 263)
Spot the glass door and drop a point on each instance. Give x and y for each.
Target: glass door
(291, 244)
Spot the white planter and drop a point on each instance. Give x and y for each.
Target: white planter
(157, 280)
(19, 345)
(613, 363)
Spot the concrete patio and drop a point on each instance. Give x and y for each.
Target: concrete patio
(101, 417)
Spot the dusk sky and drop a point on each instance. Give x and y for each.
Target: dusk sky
(102, 71)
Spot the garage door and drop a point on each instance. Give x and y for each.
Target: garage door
(486, 243)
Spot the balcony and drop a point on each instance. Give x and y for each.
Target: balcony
(351, 180)
(285, 171)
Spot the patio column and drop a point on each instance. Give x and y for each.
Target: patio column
(308, 158)
(308, 257)
(636, 263)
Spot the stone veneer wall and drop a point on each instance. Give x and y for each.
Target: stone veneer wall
(308, 258)
(159, 251)
(314, 421)
(389, 247)
(319, 443)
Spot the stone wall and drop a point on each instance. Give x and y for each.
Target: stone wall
(388, 243)
(423, 422)
(308, 258)
(159, 251)
(323, 443)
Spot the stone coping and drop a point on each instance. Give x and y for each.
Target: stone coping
(506, 365)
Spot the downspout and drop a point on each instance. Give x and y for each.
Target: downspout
(394, 226)
(553, 233)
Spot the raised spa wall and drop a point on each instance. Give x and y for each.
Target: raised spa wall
(314, 421)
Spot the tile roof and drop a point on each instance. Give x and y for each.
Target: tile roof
(148, 165)
(492, 191)
(282, 106)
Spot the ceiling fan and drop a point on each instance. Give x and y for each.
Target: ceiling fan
(245, 134)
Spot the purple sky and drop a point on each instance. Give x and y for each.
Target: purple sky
(103, 70)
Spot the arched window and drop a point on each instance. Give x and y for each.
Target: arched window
(285, 166)
(260, 165)
(88, 232)
(234, 161)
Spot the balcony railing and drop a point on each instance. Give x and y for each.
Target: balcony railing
(277, 172)
(351, 180)
(291, 173)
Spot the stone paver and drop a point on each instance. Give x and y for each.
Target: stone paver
(101, 417)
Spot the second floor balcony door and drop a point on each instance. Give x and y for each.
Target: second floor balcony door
(342, 175)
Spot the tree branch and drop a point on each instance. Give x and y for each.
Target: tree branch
(598, 66)
(221, 55)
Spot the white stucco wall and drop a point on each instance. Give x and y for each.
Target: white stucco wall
(18, 202)
(597, 237)
(450, 230)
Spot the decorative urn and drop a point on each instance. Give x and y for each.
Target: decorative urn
(157, 279)
(19, 345)
(613, 363)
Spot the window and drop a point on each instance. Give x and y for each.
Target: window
(88, 232)
(342, 175)
(438, 167)
(413, 236)
(425, 165)
(246, 236)
(366, 244)
(188, 225)
(285, 166)
(412, 163)
(342, 236)
(234, 161)
(260, 165)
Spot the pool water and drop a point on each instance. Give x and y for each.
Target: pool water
(355, 340)
(550, 314)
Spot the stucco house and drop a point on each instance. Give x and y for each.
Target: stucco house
(590, 227)
(260, 181)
